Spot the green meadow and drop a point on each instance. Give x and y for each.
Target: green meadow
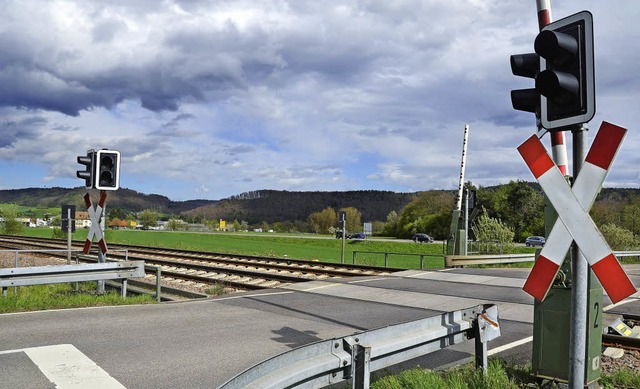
(399, 254)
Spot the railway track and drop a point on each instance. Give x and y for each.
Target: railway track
(624, 342)
(200, 270)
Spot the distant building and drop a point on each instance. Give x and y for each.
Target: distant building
(82, 219)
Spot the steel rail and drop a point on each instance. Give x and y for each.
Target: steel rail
(222, 257)
(256, 279)
(624, 342)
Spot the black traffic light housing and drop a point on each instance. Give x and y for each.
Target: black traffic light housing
(87, 173)
(526, 65)
(107, 173)
(563, 68)
(566, 80)
(102, 169)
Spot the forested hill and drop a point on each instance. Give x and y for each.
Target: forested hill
(253, 207)
(126, 199)
(277, 206)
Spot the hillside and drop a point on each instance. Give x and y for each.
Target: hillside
(254, 207)
(277, 206)
(264, 205)
(125, 199)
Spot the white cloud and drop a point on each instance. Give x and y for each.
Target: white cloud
(216, 98)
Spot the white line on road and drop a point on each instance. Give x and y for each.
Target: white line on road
(68, 368)
(509, 345)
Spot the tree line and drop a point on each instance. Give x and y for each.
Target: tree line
(517, 206)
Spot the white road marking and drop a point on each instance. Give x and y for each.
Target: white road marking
(68, 368)
(509, 345)
(627, 300)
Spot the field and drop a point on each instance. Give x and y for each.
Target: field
(33, 212)
(401, 254)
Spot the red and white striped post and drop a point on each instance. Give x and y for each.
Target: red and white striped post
(558, 144)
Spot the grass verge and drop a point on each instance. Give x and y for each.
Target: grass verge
(501, 374)
(60, 296)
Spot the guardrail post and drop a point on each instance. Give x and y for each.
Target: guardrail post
(158, 277)
(481, 348)
(386, 259)
(361, 356)
(124, 288)
(485, 328)
(15, 288)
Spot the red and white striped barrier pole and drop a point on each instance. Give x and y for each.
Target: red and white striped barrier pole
(572, 205)
(558, 144)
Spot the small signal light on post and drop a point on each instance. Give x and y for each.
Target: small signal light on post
(107, 170)
(87, 173)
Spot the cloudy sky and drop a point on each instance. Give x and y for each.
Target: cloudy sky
(207, 99)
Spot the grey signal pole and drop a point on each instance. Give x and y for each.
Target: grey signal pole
(344, 233)
(578, 340)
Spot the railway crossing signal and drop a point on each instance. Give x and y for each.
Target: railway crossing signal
(107, 174)
(102, 169)
(95, 230)
(566, 80)
(563, 69)
(526, 65)
(87, 173)
(574, 223)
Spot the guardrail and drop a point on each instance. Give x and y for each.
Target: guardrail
(38, 275)
(620, 254)
(151, 268)
(356, 356)
(387, 254)
(462, 260)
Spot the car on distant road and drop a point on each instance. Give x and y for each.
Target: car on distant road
(339, 234)
(533, 241)
(357, 235)
(421, 238)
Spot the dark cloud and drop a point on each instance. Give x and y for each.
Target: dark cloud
(26, 129)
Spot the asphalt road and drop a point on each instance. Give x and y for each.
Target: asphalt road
(204, 343)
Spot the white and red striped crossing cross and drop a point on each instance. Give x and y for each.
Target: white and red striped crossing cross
(574, 223)
(94, 230)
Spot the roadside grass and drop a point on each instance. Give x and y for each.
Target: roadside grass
(60, 296)
(623, 378)
(499, 375)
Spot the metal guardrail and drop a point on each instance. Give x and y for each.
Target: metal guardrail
(387, 254)
(156, 269)
(619, 254)
(38, 275)
(356, 356)
(461, 260)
